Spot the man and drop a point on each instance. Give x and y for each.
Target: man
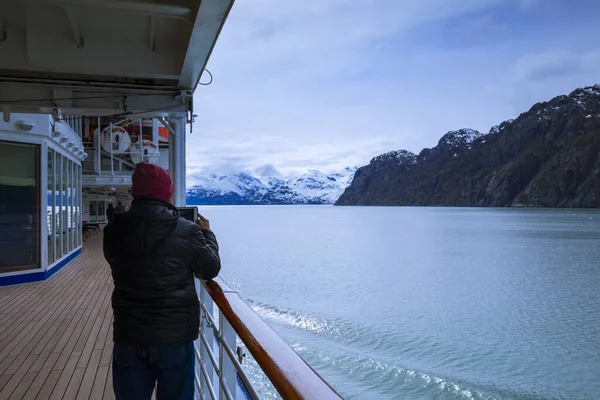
(110, 211)
(120, 207)
(154, 255)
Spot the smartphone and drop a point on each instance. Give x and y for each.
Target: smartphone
(189, 213)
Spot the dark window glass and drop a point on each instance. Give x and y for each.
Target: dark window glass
(51, 219)
(19, 207)
(64, 192)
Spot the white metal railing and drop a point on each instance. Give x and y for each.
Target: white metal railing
(219, 372)
(219, 368)
(76, 123)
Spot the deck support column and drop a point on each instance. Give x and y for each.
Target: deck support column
(177, 160)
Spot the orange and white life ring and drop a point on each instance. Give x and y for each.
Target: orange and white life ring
(147, 152)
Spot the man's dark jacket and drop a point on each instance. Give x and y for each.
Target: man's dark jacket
(154, 255)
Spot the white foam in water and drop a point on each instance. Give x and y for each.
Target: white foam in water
(381, 378)
(282, 316)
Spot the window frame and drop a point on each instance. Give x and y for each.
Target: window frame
(51, 184)
(39, 213)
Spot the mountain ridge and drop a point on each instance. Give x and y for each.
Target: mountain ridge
(313, 187)
(549, 156)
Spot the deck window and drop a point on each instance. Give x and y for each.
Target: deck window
(78, 202)
(93, 210)
(51, 218)
(64, 224)
(64, 214)
(97, 209)
(19, 206)
(71, 192)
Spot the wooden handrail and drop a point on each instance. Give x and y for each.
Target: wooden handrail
(288, 372)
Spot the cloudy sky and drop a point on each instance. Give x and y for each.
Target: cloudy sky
(324, 84)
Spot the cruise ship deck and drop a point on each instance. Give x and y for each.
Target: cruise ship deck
(88, 89)
(56, 335)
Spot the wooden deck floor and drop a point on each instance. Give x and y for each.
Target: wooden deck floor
(56, 335)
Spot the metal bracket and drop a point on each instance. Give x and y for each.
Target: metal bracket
(185, 96)
(240, 353)
(209, 324)
(191, 115)
(167, 125)
(57, 114)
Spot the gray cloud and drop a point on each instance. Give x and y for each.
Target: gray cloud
(325, 84)
(267, 170)
(547, 65)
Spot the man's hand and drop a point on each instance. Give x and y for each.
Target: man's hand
(203, 223)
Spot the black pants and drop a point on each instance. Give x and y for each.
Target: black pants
(137, 369)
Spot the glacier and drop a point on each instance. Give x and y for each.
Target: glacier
(313, 187)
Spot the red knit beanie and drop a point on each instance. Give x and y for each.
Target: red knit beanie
(150, 181)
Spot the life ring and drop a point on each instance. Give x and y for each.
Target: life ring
(116, 142)
(148, 153)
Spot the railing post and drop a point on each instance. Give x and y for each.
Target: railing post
(98, 151)
(141, 143)
(155, 136)
(207, 332)
(112, 165)
(226, 366)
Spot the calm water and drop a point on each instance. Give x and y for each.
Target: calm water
(426, 303)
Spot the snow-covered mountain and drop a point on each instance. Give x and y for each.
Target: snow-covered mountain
(314, 187)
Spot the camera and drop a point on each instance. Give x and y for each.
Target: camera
(189, 213)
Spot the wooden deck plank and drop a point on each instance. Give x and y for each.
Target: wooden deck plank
(88, 337)
(73, 355)
(104, 330)
(50, 352)
(56, 335)
(107, 350)
(31, 292)
(19, 392)
(4, 380)
(3, 366)
(90, 333)
(11, 303)
(16, 378)
(53, 303)
(91, 371)
(38, 343)
(74, 384)
(75, 326)
(99, 384)
(73, 339)
(48, 349)
(48, 387)
(28, 355)
(30, 313)
(42, 337)
(40, 377)
(25, 294)
(109, 393)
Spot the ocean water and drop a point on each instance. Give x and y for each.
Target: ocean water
(425, 303)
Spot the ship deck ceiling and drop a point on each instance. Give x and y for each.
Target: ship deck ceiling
(83, 56)
(56, 335)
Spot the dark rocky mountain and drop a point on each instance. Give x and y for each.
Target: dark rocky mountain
(547, 157)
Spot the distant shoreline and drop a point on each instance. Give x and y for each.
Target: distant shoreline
(398, 206)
